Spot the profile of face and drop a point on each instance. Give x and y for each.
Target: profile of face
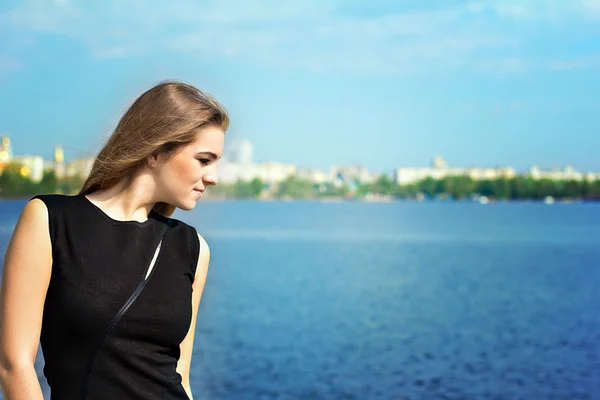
(182, 177)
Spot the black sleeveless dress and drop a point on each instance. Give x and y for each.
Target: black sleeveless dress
(107, 331)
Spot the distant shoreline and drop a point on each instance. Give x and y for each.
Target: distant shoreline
(477, 200)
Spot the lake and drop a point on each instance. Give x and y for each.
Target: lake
(402, 300)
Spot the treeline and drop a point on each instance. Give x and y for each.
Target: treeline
(15, 184)
(456, 187)
(518, 188)
(292, 187)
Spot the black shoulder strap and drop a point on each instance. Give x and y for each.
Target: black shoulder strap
(141, 285)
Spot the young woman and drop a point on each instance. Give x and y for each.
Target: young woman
(105, 280)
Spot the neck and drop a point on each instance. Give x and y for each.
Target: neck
(131, 199)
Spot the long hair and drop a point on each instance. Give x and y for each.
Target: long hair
(161, 120)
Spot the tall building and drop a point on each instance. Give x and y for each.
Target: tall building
(439, 163)
(59, 161)
(59, 155)
(5, 149)
(32, 166)
(241, 152)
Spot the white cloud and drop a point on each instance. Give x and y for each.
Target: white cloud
(308, 34)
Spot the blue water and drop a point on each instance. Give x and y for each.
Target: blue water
(308, 300)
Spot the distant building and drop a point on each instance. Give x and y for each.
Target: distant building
(239, 165)
(268, 172)
(241, 152)
(534, 172)
(479, 174)
(231, 172)
(507, 172)
(590, 176)
(567, 173)
(439, 170)
(408, 175)
(5, 149)
(32, 166)
(59, 155)
(439, 163)
(80, 167)
(313, 175)
(49, 165)
(274, 172)
(350, 174)
(59, 161)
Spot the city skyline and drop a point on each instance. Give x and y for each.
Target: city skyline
(238, 163)
(381, 84)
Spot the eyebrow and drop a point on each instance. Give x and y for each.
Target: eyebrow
(210, 153)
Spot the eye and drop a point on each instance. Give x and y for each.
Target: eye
(204, 161)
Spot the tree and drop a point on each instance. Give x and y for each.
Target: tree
(248, 189)
(383, 185)
(295, 188)
(430, 187)
(463, 186)
(572, 188)
(522, 188)
(503, 188)
(407, 191)
(14, 181)
(256, 186)
(594, 190)
(544, 187)
(486, 188)
(49, 183)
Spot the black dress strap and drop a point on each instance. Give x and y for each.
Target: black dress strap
(141, 285)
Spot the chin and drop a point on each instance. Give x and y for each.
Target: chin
(188, 206)
(185, 205)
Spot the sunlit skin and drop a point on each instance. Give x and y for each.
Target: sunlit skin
(178, 180)
(183, 177)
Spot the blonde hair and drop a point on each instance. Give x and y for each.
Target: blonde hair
(161, 120)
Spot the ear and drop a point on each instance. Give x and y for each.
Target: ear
(152, 160)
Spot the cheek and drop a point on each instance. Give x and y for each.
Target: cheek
(185, 170)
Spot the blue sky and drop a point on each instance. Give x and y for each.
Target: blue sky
(317, 83)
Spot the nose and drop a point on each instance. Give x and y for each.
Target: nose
(210, 179)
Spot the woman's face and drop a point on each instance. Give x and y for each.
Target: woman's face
(182, 178)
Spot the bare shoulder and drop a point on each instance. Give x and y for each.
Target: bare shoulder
(34, 218)
(203, 258)
(35, 209)
(25, 279)
(31, 230)
(204, 249)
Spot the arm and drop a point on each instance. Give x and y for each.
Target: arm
(186, 347)
(25, 279)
